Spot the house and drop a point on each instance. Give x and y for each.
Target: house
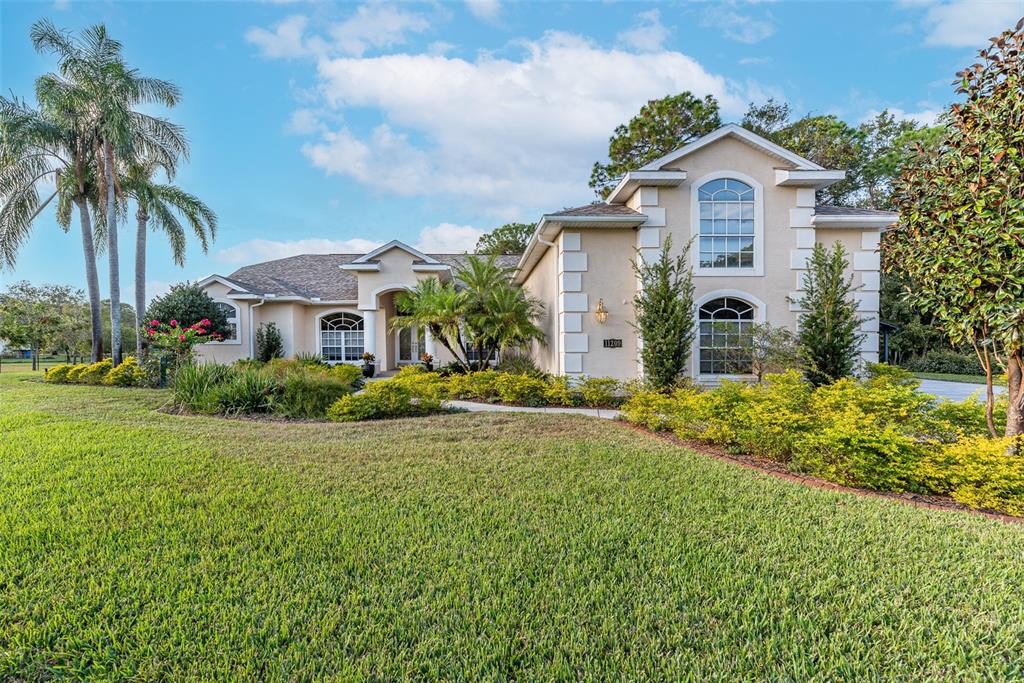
(742, 206)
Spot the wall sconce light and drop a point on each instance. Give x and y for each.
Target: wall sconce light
(601, 312)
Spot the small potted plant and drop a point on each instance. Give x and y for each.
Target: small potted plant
(368, 364)
(428, 361)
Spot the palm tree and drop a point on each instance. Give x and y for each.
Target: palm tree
(92, 69)
(48, 147)
(157, 204)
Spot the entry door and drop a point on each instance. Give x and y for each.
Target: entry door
(410, 345)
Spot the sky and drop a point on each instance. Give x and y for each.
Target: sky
(322, 127)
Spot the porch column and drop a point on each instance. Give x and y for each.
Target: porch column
(428, 343)
(370, 332)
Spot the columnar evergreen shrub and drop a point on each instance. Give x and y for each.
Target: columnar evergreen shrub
(269, 344)
(828, 338)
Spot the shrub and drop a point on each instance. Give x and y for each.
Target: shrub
(518, 363)
(249, 392)
(946, 362)
(381, 400)
(883, 372)
(308, 395)
(187, 303)
(314, 359)
(350, 374)
(76, 372)
(663, 310)
(828, 338)
(977, 471)
(475, 385)
(127, 374)
(522, 389)
(195, 386)
(423, 384)
(600, 391)
(96, 373)
(58, 373)
(771, 416)
(269, 344)
(651, 409)
(562, 392)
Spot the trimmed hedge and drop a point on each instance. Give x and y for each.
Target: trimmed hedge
(127, 374)
(879, 433)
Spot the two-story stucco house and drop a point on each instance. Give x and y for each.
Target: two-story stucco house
(743, 206)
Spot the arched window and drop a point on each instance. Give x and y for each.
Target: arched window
(726, 224)
(725, 329)
(341, 337)
(231, 313)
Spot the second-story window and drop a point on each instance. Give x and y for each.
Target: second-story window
(726, 224)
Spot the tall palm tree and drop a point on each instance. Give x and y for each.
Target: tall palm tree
(157, 205)
(49, 147)
(92, 67)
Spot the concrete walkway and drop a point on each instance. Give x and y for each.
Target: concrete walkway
(956, 391)
(474, 407)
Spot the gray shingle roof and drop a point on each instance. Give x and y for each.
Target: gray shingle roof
(826, 210)
(320, 275)
(599, 209)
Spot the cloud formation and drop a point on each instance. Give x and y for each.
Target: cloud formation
(969, 23)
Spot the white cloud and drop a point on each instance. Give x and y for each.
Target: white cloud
(373, 25)
(743, 28)
(254, 251)
(647, 35)
(485, 10)
(925, 117)
(284, 41)
(745, 61)
(304, 122)
(969, 23)
(502, 133)
(448, 238)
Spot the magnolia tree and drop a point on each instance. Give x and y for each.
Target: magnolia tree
(960, 241)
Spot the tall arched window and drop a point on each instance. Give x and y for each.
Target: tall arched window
(231, 313)
(341, 337)
(725, 329)
(726, 224)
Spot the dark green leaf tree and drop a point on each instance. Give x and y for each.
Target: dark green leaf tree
(960, 240)
(510, 238)
(660, 127)
(828, 338)
(664, 315)
(188, 304)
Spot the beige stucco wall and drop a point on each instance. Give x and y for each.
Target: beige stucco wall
(609, 276)
(395, 274)
(542, 284)
(227, 352)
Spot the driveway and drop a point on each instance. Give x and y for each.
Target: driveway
(955, 391)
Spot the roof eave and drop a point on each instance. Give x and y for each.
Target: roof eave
(854, 221)
(817, 179)
(744, 135)
(636, 179)
(549, 227)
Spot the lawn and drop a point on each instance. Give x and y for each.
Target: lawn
(966, 379)
(141, 544)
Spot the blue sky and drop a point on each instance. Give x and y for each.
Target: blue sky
(334, 127)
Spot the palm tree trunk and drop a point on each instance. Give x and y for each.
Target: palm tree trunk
(112, 257)
(92, 280)
(140, 278)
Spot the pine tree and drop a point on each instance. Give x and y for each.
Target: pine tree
(828, 338)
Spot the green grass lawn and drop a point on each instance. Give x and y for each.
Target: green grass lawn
(138, 544)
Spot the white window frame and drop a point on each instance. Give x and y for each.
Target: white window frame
(758, 269)
(760, 315)
(237, 320)
(319, 334)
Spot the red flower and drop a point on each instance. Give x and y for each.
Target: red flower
(154, 323)
(181, 337)
(204, 322)
(151, 333)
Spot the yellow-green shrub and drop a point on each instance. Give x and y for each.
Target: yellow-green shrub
(651, 409)
(561, 391)
(380, 400)
(58, 373)
(523, 389)
(766, 419)
(76, 372)
(349, 374)
(127, 374)
(977, 471)
(600, 391)
(95, 373)
(422, 383)
(474, 385)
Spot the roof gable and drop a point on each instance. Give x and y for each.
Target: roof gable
(396, 244)
(742, 134)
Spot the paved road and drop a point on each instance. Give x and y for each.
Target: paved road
(955, 391)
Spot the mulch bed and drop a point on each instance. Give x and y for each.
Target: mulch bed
(779, 470)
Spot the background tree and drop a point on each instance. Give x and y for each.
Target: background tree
(660, 127)
(158, 206)
(832, 143)
(128, 331)
(770, 349)
(767, 119)
(30, 315)
(269, 344)
(960, 240)
(188, 304)
(510, 238)
(828, 338)
(663, 312)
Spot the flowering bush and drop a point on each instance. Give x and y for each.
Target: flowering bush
(179, 340)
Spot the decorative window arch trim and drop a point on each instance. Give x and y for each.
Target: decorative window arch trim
(236, 319)
(758, 269)
(760, 315)
(318, 333)
(384, 289)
